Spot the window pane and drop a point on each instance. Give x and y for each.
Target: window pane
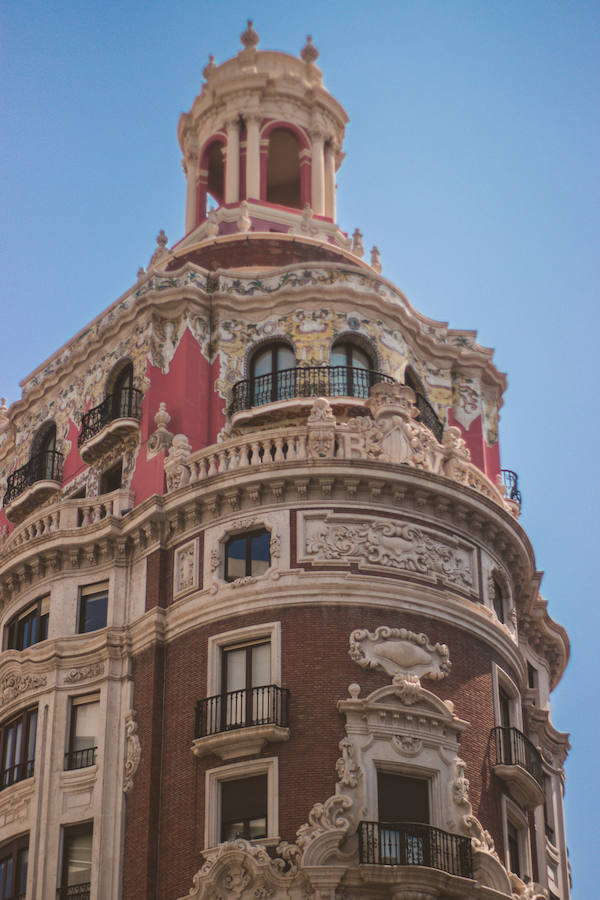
(78, 858)
(21, 879)
(261, 664)
(263, 362)
(260, 553)
(93, 612)
(244, 807)
(84, 726)
(402, 799)
(31, 738)
(236, 558)
(285, 358)
(235, 668)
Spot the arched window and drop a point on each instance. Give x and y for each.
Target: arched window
(44, 458)
(122, 393)
(283, 169)
(273, 373)
(352, 374)
(215, 183)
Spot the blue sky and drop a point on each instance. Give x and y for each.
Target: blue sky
(472, 162)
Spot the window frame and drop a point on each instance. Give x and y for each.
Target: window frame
(276, 391)
(513, 815)
(74, 702)
(252, 634)
(86, 591)
(25, 718)
(248, 535)
(268, 766)
(502, 682)
(41, 618)
(66, 831)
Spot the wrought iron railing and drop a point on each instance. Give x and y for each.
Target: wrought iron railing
(126, 404)
(265, 705)
(514, 749)
(80, 759)
(511, 483)
(81, 891)
(44, 466)
(429, 417)
(305, 381)
(15, 773)
(414, 844)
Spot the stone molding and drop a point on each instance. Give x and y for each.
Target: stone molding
(133, 750)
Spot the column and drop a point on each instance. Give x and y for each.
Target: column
(190, 167)
(252, 157)
(232, 162)
(318, 175)
(330, 152)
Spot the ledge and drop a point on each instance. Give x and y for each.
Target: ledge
(107, 438)
(524, 788)
(239, 742)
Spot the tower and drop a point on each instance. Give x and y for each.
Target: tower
(271, 627)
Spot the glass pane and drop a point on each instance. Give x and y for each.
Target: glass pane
(85, 725)
(339, 356)
(262, 363)
(21, 879)
(31, 738)
(257, 828)
(94, 609)
(360, 360)
(232, 830)
(285, 358)
(236, 558)
(260, 553)
(261, 665)
(4, 888)
(9, 749)
(79, 859)
(8, 880)
(235, 665)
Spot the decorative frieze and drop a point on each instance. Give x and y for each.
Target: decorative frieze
(13, 685)
(186, 568)
(84, 673)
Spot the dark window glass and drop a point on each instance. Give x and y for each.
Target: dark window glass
(531, 676)
(514, 856)
(111, 480)
(244, 668)
(247, 554)
(244, 808)
(498, 601)
(273, 374)
(402, 799)
(121, 393)
(77, 857)
(13, 868)
(18, 748)
(93, 606)
(28, 627)
(83, 732)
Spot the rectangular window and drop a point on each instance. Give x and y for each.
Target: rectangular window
(93, 607)
(83, 732)
(28, 627)
(514, 850)
(245, 675)
(13, 868)
(402, 799)
(76, 872)
(111, 480)
(244, 808)
(247, 554)
(18, 748)
(549, 810)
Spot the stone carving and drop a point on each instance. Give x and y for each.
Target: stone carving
(13, 684)
(161, 248)
(177, 470)
(407, 745)
(83, 673)
(321, 430)
(161, 438)
(346, 767)
(275, 546)
(323, 817)
(244, 222)
(133, 750)
(383, 542)
(460, 785)
(526, 890)
(400, 653)
(186, 567)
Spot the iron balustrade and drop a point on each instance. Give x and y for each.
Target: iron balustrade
(264, 705)
(510, 480)
(44, 466)
(80, 759)
(126, 404)
(514, 749)
(16, 773)
(305, 381)
(414, 844)
(429, 417)
(81, 891)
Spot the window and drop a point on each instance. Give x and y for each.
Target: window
(245, 680)
(549, 810)
(122, 393)
(514, 851)
(18, 747)
(516, 835)
(247, 554)
(273, 374)
(215, 185)
(242, 801)
(283, 169)
(29, 626)
(76, 861)
(498, 601)
(93, 605)
(13, 868)
(44, 457)
(401, 799)
(244, 808)
(112, 478)
(352, 370)
(83, 731)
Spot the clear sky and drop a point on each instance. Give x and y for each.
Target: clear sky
(472, 162)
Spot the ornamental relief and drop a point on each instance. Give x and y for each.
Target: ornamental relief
(186, 567)
(389, 544)
(14, 684)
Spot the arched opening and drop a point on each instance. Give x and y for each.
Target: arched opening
(283, 169)
(273, 373)
(120, 392)
(352, 374)
(215, 181)
(44, 458)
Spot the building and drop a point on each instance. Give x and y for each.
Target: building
(270, 625)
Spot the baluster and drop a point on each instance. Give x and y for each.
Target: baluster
(278, 449)
(255, 447)
(291, 447)
(234, 458)
(212, 465)
(301, 446)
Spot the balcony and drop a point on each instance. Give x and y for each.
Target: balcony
(32, 484)
(18, 772)
(109, 423)
(80, 891)
(240, 723)
(414, 844)
(517, 762)
(510, 480)
(80, 759)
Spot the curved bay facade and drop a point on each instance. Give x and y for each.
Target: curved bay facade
(270, 624)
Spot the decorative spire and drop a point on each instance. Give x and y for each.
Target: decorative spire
(376, 259)
(249, 37)
(357, 244)
(209, 67)
(309, 52)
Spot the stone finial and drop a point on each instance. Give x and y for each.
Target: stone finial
(376, 260)
(309, 52)
(249, 37)
(244, 223)
(161, 239)
(140, 273)
(161, 439)
(357, 244)
(161, 247)
(212, 226)
(209, 68)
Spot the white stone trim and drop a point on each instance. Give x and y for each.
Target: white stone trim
(248, 768)
(269, 630)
